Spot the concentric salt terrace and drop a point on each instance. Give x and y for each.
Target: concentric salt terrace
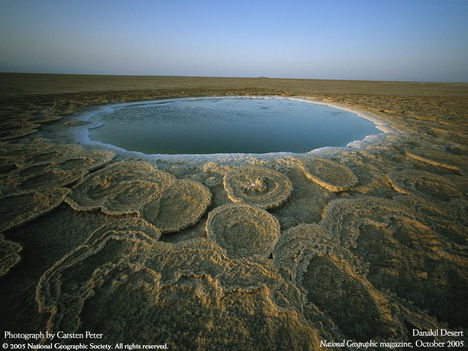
(424, 184)
(179, 206)
(243, 230)
(328, 174)
(297, 245)
(343, 218)
(18, 209)
(38, 177)
(9, 254)
(438, 158)
(257, 186)
(170, 281)
(121, 188)
(369, 314)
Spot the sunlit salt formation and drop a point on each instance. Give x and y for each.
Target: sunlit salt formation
(93, 160)
(179, 206)
(128, 187)
(416, 260)
(440, 159)
(65, 156)
(449, 221)
(168, 282)
(257, 186)
(35, 174)
(403, 254)
(342, 218)
(312, 257)
(459, 208)
(328, 174)
(243, 230)
(24, 118)
(138, 228)
(424, 184)
(16, 210)
(107, 244)
(40, 152)
(357, 309)
(37, 167)
(21, 129)
(121, 188)
(38, 177)
(297, 245)
(213, 173)
(9, 254)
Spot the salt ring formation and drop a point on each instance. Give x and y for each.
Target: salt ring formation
(243, 230)
(244, 252)
(186, 198)
(329, 174)
(258, 186)
(439, 158)
(122, 188)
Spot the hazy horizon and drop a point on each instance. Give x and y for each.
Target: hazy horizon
(337, 40)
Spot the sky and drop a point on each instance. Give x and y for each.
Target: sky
(409, 40)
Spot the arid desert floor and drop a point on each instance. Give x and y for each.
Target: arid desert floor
(253, 253)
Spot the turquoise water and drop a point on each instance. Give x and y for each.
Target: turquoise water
(228, 125)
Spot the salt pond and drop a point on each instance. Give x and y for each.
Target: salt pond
(227, 125)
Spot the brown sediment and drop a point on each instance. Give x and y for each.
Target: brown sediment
(364, 242)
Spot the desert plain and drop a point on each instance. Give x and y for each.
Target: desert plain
(363, 242)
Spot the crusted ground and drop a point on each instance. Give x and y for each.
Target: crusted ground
(365, 242)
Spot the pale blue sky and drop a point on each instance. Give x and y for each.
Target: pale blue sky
(411, 40)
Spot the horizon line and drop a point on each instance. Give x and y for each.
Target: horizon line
(232, 77)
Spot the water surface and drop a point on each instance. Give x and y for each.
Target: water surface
(228, 125)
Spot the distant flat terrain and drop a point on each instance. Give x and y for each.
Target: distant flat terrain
(20, 84)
